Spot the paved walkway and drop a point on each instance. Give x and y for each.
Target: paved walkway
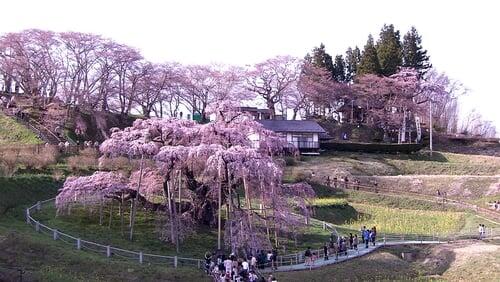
(351, 254)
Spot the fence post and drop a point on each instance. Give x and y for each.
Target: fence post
(324, 225)
(38, 206)
(199, 264)
(28, 216)
(78, 244)
(175, 261)
(37, 226)
(384, 240)
(108, 251)
(296, 258)
(140, 258)
(55, 235)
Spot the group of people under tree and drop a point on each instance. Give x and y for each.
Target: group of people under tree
(234, 268)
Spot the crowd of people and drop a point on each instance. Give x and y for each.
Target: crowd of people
(482, 231)
(339, 245)
(232, 268)
(346, 183)
(495, 205)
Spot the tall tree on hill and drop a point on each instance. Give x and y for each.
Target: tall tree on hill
(352, 60)
(414, 55)
(389, 50)
(320, 58)
(339, 69)
(369, 63)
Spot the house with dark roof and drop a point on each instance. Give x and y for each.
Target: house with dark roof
(302, 134)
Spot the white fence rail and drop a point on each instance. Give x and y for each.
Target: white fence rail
(283, 260)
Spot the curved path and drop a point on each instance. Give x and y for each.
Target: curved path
(351, 254)
(290, 262)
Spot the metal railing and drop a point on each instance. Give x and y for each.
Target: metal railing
(282, 260)
(106, 250)
(494, 214)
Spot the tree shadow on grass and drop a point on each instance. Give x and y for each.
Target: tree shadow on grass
(339, 215)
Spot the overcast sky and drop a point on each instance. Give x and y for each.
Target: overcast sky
(462, 38)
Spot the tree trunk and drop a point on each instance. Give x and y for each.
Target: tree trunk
(134, 200)
(271, 106)
(100, 213)
(121, 214)
(110, 214)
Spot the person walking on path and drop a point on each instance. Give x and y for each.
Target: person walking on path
(362, 234)
(325, 251)
(274, 257)
(366, 237)
(308, 256)
(351, 241)
(355, 241)
(373, 235)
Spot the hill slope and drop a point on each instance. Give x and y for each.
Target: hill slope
(12, 132)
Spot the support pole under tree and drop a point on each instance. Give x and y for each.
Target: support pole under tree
(134, 200)
(430, 126)
(219, 217)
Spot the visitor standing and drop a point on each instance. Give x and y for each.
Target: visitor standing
(355, 241)
(228, 265)
(308, 256)
(351, 241)
(252, 277)
(253, 263)
(366, 237)
(362, 234)
(374, 234)
(274, 257)
(245, 266)
(325, 251)
(208, 260)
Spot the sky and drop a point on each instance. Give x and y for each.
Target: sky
(461, 36)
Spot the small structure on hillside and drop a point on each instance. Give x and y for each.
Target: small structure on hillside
(302, 134)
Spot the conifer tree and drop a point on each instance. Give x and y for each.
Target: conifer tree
(369, 61)
(339, 69)
(352, 60)
(320, 58)
(389, 50)
(414, 55)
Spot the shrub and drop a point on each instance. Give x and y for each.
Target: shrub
(30, 157)
(85, 160)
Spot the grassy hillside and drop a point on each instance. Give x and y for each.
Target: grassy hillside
(12, 132)
(453, 262)
(43, 259)
(345, 163)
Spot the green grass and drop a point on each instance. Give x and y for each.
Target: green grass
(405, 221)
(46, 260)
(364, 164)
(12, 132)
(84, 224)
(350, 210)
(26, 189)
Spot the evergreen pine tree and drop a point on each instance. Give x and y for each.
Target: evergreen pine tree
(320, 58)
(352, 59)
(389, 50)
(369, 61)
(339, 69)
(414, 55)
